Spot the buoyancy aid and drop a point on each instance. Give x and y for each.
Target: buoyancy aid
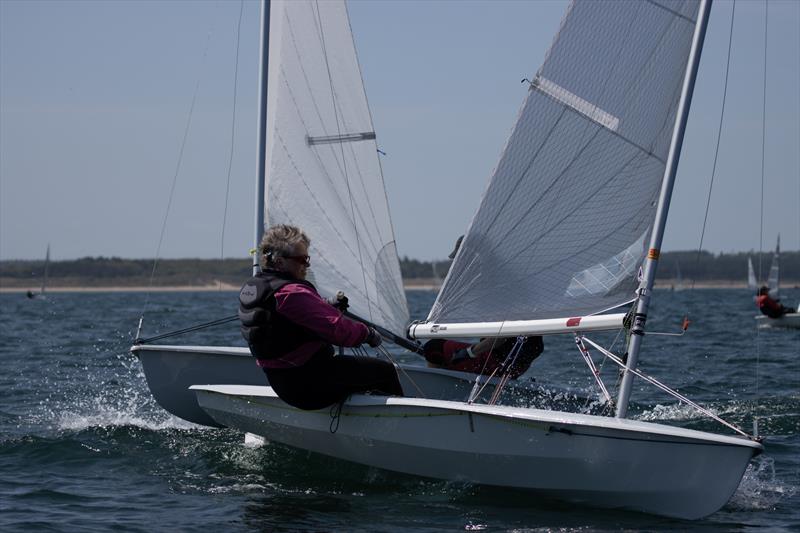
(441, 352)
(768, 306)
(269, 334)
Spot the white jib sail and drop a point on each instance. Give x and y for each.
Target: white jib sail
(323, 172)
(774, 278)
(564, 222)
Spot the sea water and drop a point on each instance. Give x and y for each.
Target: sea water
(84, 447)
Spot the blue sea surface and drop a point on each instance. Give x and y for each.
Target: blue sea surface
(84, 447)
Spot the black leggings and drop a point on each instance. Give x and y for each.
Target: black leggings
(326, 380)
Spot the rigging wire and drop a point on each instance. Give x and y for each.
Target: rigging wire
(233, 137)
(716, 150)
(668, 390)
(506, 367)
(174, 183)
(587, 357)
(189, 329)
(761, 225)
(384, 352)
(763, 145)
(476, 391)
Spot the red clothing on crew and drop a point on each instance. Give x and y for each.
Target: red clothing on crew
(441, 353)
(305, 307)
(769, 307)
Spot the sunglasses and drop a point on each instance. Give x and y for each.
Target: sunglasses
(302, 259)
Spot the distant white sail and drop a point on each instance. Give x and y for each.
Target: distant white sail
(751, 275)
(46, 268)
(563, 224)
(774, 278)
(323, 169)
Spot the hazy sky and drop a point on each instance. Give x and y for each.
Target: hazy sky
(95, 98)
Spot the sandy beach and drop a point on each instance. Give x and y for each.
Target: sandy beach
(112, 288)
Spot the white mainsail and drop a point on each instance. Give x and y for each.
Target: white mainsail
(565, 221)
(323, 172)
(46, 268)
(751, 276)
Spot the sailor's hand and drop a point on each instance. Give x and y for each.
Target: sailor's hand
(462, 353)
(339, 301)
(373, 338)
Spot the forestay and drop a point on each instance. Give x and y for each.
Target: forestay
(564, 222)
(323, 172)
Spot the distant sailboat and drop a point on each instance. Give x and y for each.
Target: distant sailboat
(678, 277)
(788, 320)
(774, 277)
(41, 294)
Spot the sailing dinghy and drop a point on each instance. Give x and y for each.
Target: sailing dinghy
(788, 320)
(576, 206)
(41, 294)
(318, 147)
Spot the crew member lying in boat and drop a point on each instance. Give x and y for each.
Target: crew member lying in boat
(291, 331)
(489, 356)
(770, 307)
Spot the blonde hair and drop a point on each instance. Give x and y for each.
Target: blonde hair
(278, 241)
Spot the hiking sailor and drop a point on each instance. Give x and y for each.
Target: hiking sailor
(291, 330)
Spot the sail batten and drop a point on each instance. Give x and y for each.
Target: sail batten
(576, 103)
(564, 222)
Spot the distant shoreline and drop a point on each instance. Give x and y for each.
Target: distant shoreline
(408, 285)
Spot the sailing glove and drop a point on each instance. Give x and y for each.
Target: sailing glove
(462, 353)
(373, 338)
(339, 301)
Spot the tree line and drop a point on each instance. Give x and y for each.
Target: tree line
(106, 271)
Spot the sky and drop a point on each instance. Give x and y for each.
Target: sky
(95, 98)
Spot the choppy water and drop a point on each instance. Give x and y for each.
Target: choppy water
(83, 446)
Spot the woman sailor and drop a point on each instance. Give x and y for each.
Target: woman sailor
(291, 330)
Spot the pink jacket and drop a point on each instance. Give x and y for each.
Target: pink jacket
(305, 307)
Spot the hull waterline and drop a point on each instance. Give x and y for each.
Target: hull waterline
(787, 321)
(598, 461)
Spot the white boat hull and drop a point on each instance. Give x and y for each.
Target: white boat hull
(789, 321)
(594, 460)
(171, 370)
